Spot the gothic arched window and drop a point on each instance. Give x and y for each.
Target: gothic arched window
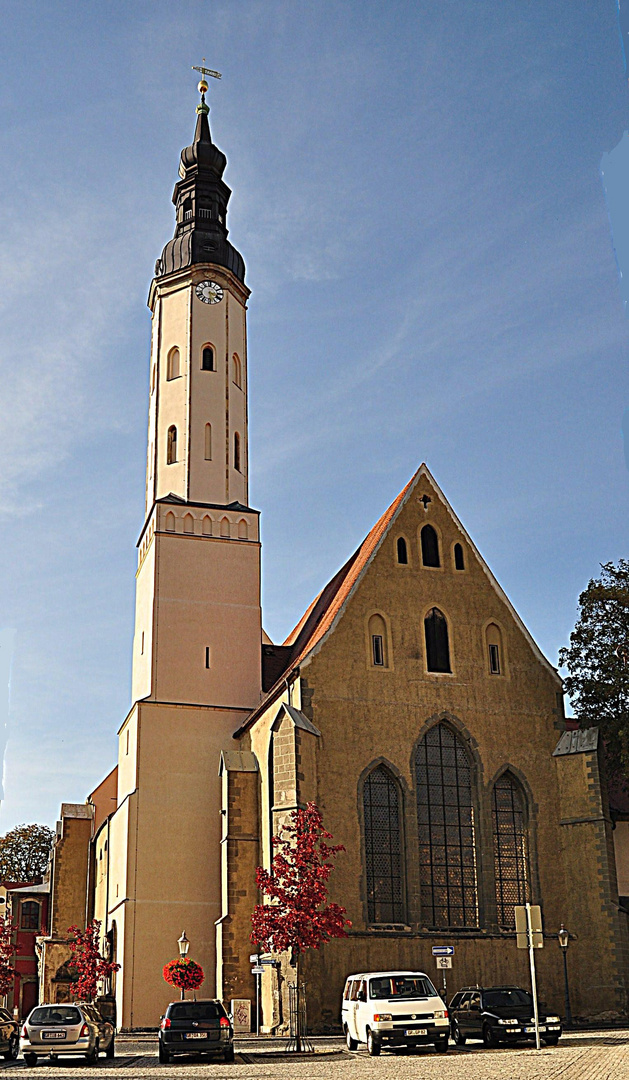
(511, 858)
(237, 451)
(207, 358)
(459, 559)
(383, 847)
(437, 645)
(430, 546)
(446, 830)
(402, 552)
(171, 452)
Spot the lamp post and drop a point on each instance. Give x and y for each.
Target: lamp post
(184, 945)
(564, 940)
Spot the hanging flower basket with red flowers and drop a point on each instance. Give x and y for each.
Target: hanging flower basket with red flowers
(184, 974)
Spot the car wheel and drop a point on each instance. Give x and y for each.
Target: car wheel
(30, 1060)
(458, 1036)
(229, 1054)
(442, 1046)
(164, 1056)
(374, 1045)
(111, 1049)
(489, 1037)
(14, 1049)
(350, 1043)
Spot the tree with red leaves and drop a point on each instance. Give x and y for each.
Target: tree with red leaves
(297, 918)
(88, 961)
(7, 950)
(183, 973)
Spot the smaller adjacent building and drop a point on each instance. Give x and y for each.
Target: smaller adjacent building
(27, 903)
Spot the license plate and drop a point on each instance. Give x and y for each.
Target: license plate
(195, 1035)
(54, 1034)
(531, 1030)
(416, 1031)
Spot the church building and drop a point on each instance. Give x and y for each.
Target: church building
(410, 703)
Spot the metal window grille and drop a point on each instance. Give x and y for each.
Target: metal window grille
(383, 847)
(510, 848)
(447, 842)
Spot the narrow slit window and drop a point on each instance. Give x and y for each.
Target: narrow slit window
(237, 451)
(377, 649)
(402, 551)
(208, 442)
(142, 648)
(171, 453)
(494, 660)
(459, 559)
(207, 359)
(237, 370)
(207, 656)
(494, 654)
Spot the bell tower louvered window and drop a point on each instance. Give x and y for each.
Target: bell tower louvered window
(446, 830)
(383, 847)
(510, 848)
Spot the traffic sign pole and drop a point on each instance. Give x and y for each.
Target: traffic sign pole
(529, 931)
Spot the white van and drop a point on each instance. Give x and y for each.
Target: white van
(393, 1008)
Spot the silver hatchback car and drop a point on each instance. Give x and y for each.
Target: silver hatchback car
(58, 1030)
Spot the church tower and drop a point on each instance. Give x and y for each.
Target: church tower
(197, 641)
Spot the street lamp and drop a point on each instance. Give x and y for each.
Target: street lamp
(564, 941)
(184, 945)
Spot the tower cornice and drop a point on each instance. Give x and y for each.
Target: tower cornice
(161, 286)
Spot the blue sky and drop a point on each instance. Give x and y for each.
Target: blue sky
(418, 200)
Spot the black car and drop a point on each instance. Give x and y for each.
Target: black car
(196, 1027)
(9, 1036)
(499, 1014)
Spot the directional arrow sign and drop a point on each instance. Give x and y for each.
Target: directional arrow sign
(257, 969)
(443, 950)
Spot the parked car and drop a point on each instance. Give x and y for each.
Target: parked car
(9, 1036)
(196, 1027)
(393, 1008)
(62, 1030)
(499, 1014)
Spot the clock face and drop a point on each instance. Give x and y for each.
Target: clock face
(209, 292)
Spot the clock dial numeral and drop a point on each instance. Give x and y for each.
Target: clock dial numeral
(209, 292)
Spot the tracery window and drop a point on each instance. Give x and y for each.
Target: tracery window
(383, 847)
(437, 644)
(430, 546)
(446, 830)
(511, 858)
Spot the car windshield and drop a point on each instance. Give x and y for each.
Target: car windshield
(505, 999)
(55, 1014)
(195, 1010)
(401, 986)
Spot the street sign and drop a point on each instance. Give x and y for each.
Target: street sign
(536, 927)
(443, 962)
(269, 961)
(443, 950)
(257, 969)
(254, 958)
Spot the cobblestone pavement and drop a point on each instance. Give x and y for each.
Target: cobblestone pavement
(579, 1056)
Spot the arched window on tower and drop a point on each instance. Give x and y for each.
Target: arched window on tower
(430, 546)
(511, 857)
(237, 370)
(437, 644)
(446, 830)
(237, 451)
(243, 531)
(402, 551)
(188, 523)
(171, 453)
(207, 359)
(208, 442)
(172, 364)
(170, 521)
(383, 847)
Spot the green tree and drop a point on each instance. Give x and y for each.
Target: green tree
(24, 852)
(598, 663)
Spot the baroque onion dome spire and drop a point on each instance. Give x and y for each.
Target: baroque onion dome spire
(201, 197)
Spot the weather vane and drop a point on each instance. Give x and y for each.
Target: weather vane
(203, 84)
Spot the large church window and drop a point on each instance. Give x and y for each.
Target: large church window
(430, 546)
(437, 644)
(172, 364)
(237, 451)
(171, 452)
(446, 830)
(207, 358)
(511, 860)
(383, 847)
